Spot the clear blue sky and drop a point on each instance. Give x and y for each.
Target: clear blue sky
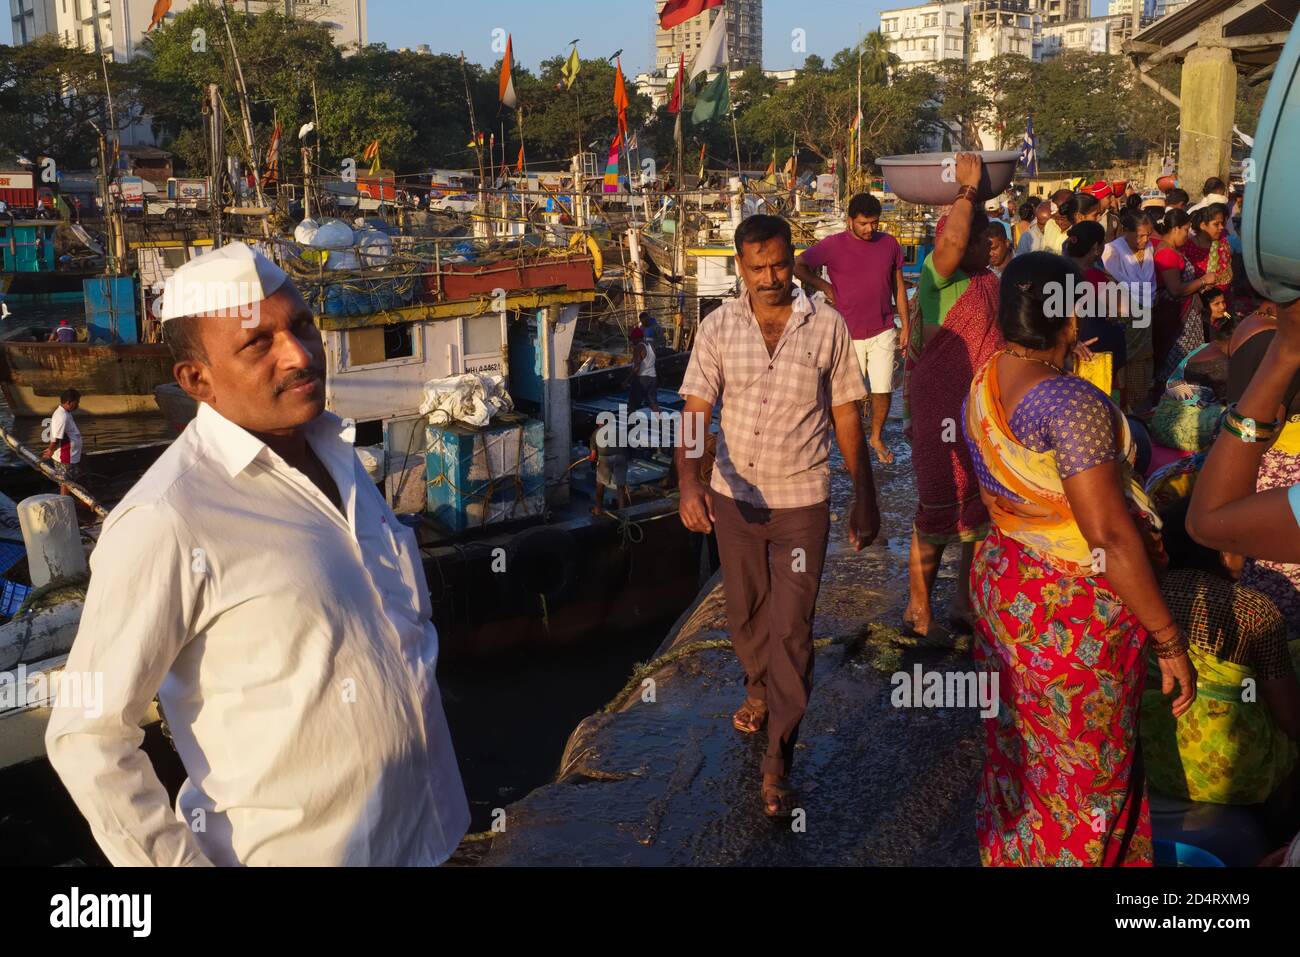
(543, 28)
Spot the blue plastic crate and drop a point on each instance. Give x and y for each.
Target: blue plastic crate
(481, 477)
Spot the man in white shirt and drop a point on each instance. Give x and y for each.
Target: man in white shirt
(65, 438)
(1031, 240)
(1214, 191)
(256, 581)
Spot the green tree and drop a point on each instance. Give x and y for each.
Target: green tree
(52, 96)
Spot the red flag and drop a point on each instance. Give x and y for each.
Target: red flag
(272, 174)
(679, 11)
(675, 104)
(620, 99)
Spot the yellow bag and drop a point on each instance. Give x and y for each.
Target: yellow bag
(1099, 370)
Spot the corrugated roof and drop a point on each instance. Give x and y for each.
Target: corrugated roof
(1264, 17)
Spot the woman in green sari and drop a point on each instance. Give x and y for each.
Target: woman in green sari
(1237, 742)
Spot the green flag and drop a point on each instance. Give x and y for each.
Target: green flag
(714, 100)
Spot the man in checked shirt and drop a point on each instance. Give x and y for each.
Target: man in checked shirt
(786, 375)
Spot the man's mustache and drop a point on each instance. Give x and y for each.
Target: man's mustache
(299, 377)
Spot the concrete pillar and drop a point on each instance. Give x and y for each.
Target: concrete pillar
(53, 540)
(1209, 97)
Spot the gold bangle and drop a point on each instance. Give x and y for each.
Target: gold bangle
(1155, 632)
(1173, 648)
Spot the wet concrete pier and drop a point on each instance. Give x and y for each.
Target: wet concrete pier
(668, 781)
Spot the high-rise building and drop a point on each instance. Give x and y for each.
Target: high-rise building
(1000, 26)
(1058, 11)
(122, 23)
(744, 35)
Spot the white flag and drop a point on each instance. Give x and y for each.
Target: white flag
(713, 53)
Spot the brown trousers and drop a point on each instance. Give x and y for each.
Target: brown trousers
(771, 571)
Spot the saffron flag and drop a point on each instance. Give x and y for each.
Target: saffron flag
(701, 161)
(506, 90)
(372, 154)
(519, 163)
(611, 167)
(679, 11)
(160, 9)
(570, 69)
(675, 104)
(620, 98)
(272, 174)
(855, 139)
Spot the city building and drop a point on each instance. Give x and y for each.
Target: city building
(744, 35)
(658, 85)
(1059, 11)
(998, 27)
(926, 33)
(31, 19)
(122, 23)
(1088, 35)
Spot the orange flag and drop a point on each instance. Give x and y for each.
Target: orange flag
(620, 99)
(160, 9)
(506, 91)
(519, 164)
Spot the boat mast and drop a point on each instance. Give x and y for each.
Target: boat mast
(216, 150)
(242, 92)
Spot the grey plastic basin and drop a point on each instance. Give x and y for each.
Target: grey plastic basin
(919, 177)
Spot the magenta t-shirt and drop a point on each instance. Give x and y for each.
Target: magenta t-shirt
(862, 274)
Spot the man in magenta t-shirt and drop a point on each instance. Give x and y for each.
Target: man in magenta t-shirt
(867, 287)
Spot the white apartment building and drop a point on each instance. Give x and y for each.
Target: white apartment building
(659, 84)
(31, 19)
(1090, 35)
(122, 23)
(744, 35)
(926, 33)
(1000, 26)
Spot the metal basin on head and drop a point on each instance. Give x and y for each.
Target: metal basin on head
(920, 177)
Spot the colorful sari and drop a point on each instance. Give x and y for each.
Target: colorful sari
(1214, 259)
(947, 490)
(1177, 326)
(1224, 750)
(1062, 782)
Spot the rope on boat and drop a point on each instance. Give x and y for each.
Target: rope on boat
(36, 462)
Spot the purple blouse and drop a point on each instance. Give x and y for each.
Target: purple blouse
(1066, 415)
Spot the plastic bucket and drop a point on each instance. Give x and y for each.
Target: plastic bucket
(1178, 854)
(1270, 219)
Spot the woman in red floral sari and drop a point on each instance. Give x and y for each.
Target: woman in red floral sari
(1066, 596)
(958, 332)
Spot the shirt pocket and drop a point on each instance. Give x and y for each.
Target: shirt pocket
(801, 378)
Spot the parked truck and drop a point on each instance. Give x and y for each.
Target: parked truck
(185, 199)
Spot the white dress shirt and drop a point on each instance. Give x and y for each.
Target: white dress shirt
(292, 652)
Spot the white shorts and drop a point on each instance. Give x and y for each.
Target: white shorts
(876, 359)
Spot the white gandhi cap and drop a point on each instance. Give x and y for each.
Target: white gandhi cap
(226, 278)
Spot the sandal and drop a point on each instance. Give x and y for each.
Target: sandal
(778, 801)
(750, 717)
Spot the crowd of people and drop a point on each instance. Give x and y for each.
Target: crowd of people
(1122, 642)
(1089, 421)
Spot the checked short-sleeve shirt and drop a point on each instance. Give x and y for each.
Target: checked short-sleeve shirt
(775, 437)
